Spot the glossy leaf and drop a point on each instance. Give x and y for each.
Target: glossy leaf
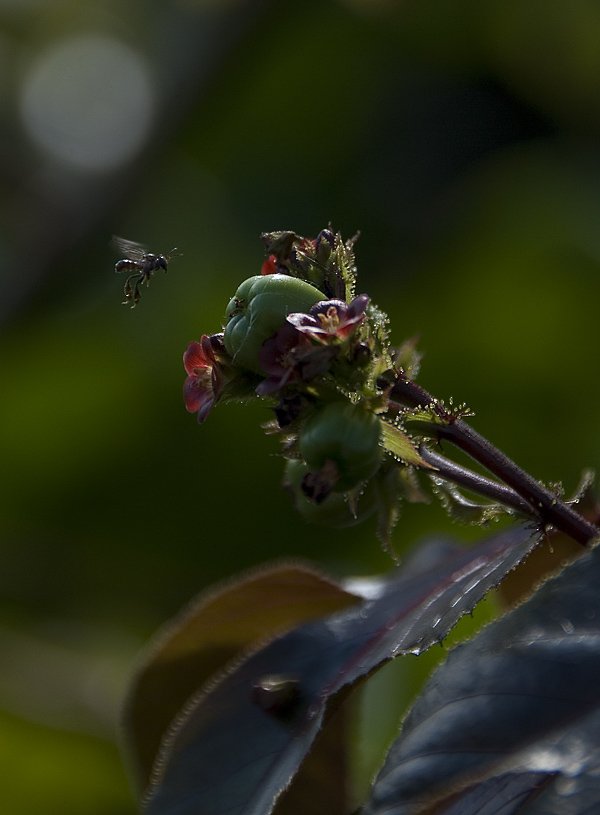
(215, 628)
(502, 795)
(228, 754)
(516, 708)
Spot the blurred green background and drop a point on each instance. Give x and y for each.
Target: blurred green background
(460, 137)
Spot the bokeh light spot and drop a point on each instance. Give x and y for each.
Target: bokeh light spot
(88, 102)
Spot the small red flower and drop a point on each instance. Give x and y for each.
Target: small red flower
(269, 265)
(331, 319)
(204, 382)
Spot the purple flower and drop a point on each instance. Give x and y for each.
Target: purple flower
(330, 320)
(289, 356)
(279, 358)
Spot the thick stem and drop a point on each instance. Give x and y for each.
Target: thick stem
(548, 508)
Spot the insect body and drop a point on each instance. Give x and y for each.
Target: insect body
(140, 264)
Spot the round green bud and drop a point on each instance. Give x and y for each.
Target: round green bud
(335, 511)
(346, 435)
(258, 309)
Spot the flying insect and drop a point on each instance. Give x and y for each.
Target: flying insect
(140, 264)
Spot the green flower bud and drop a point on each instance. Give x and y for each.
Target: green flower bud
(258, 309)
(346, 435)
(335, 511)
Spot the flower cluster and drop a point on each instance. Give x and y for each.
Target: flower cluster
(303, 349)
(353, 424)
(298, 336)
(288, 329)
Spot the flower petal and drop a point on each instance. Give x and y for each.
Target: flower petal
(193, 394)
(205, 409)
(323, 306)
(358, 306)
(269, 265)
(194, 358)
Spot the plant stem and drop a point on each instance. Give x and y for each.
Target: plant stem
(547, 507)
(450, 471)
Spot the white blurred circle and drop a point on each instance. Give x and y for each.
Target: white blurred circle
(89, 102)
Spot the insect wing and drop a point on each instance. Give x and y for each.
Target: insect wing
(129, 249)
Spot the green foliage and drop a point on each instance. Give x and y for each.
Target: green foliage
(400, 445)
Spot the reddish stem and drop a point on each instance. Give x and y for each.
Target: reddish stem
(549, 509)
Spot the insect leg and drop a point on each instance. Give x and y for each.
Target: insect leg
(131, 290)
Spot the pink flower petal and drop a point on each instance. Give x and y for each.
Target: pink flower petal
(194, 358)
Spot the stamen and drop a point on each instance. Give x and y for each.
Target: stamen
(330, 320)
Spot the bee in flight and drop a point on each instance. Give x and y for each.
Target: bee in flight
(140, 264)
